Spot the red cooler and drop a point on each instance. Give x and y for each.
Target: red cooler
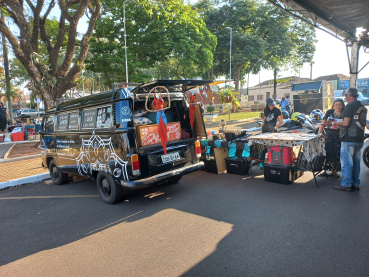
(280, 155)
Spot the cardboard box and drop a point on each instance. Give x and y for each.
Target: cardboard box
(31, 137)
(148, 134)
(37, 137)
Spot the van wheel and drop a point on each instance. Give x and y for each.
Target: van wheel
(109, 190)
(57, 176)
(174, 180)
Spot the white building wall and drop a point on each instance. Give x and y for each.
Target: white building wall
(266, 92)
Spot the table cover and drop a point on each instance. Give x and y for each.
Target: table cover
(312, 144)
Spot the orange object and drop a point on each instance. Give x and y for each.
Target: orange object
(149, 134)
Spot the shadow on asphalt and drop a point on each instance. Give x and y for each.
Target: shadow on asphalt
(294, 230)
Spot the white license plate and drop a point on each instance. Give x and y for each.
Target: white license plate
(170, 157)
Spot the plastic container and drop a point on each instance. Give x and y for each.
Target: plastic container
(237, 166)
(280, 174)
(1, 137)
(280, 155)
(211, 166)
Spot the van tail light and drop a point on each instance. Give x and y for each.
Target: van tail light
(135, 165)
(198, 149)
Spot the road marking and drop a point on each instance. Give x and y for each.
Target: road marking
(40, 197)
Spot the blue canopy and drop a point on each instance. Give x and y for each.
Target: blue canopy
(307, 86)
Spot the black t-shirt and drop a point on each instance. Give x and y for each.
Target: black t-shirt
(271, 116)
(357, 112)
(3, 113)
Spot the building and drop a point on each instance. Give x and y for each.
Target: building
(284, 86)
(335, 78)
(266, 88)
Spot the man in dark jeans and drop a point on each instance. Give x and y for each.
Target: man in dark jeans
(352, 137)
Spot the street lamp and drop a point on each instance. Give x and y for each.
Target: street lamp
(125, 38)
(230, 63)
(83, 85)
(230, 52)
(99, 74)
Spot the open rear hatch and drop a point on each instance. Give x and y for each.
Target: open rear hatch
(178, 151)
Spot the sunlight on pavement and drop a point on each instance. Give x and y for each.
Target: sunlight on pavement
(168, 243)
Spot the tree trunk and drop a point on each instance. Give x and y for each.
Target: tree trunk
(6, 68)
(237, 77)
(275, 84)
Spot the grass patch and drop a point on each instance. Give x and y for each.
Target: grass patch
(238, 116)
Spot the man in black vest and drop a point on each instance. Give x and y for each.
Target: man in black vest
(4, 116)
(352, 137)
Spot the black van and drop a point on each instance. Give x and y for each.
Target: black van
(99, 136)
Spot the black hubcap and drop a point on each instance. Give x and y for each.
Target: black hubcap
(55, 173)
(105, 187)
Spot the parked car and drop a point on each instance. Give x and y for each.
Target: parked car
(364, 100)
(112, 137)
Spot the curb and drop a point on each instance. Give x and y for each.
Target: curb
(8, 152)
(19, 158)
(25, 180)
(16, 142)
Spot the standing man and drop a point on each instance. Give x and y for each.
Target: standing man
(284, 104)
(352, 137)
(4, 116)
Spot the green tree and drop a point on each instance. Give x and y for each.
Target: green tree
(288, 42)
(247, 47)
(167, 33)
(50, 76)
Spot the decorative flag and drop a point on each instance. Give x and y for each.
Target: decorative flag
(192, 109)
(161, 119)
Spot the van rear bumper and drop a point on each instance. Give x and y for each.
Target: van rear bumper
(162, 176)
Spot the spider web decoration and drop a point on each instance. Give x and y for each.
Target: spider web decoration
(87, 163)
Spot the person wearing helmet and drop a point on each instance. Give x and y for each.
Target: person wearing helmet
(271, 114)
(4, 116)
(332, 138)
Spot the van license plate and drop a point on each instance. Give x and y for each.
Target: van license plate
(170, 157)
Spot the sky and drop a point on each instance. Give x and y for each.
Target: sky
(330, 57)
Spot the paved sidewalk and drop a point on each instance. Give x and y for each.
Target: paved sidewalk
(20, 169)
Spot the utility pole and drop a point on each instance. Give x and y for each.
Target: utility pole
(125, 38)
(311, 71)
(93, 82)
(7, 77)
(83, 85)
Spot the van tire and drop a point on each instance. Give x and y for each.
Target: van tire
(57, 176)
(110, 192)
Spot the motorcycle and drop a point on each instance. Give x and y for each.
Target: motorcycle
(302, 125)
(366, 150)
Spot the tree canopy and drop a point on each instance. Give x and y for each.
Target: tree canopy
(50, 76)
(168, 35)
(263, 36)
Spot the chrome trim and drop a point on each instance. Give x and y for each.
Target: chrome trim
(162, 176)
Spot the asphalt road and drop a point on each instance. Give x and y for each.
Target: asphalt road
(206, 225)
